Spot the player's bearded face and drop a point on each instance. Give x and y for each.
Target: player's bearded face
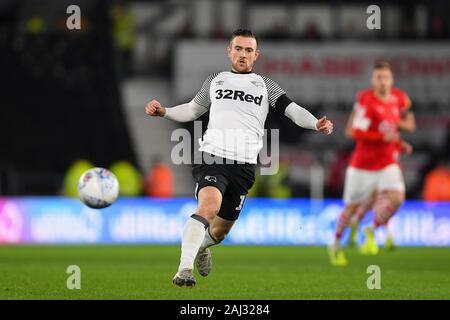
(382, 80)
(243, 53)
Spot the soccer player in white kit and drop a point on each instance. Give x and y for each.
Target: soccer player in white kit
(238, 101)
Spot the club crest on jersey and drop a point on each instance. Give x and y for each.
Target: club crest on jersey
(386, 127)
(238, 95)
(211, 178)
(258, 84)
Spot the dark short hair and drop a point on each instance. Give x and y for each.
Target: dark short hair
(243, 33)
(382, 64)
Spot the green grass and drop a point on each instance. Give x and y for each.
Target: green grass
(239, 272)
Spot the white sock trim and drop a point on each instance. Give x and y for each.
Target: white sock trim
(208, 241)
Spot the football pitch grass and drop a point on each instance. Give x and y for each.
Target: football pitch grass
(239, 272)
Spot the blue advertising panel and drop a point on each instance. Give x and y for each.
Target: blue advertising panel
(57, 220)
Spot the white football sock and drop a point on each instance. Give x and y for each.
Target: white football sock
(336, 244)
(388, 232)
(208, 241)
(193, 235)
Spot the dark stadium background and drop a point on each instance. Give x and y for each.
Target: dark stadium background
(69, 94)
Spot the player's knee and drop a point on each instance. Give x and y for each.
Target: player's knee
(396, 198)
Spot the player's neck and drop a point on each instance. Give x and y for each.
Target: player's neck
(383, 96)
(239, 72)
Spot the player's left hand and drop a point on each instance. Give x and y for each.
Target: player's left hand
(324, 125)
(405, 148)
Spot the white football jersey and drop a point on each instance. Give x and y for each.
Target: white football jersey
(238, 104)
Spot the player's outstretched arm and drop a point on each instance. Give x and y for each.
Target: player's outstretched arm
(405, 148)
(182, 113)
(303, 118)
(324, 125)
(408, 122)
(375, 136)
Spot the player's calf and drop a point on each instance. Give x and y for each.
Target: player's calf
(213, 236)
(192, 238)
(386, 204)
(344, 220)
(218, 233)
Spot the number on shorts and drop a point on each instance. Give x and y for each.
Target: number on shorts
(241, 204)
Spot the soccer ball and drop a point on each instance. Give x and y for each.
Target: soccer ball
(98, 188)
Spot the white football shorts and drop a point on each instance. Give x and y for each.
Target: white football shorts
(361, 184)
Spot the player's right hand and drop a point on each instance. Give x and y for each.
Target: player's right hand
(324, 125)
(155, 109)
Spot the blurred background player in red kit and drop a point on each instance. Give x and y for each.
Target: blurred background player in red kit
(374, 178)
(407, 124)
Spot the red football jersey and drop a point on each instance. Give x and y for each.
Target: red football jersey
(373, 118)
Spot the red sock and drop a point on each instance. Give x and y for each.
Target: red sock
(383, 210)
(343, 222)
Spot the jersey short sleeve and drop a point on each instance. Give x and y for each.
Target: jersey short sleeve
(362, 113)
(274, 91)
(202, 97)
